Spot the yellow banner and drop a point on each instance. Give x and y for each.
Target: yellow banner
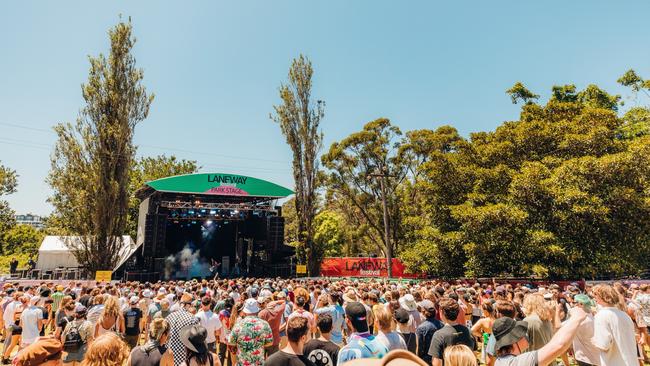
(103, 276)
(301, 268)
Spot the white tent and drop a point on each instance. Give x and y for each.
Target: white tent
(54, 252)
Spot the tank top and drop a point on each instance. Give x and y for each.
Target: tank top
(101, 330)
(141, 358)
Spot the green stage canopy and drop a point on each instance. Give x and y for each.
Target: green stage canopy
(220, 185)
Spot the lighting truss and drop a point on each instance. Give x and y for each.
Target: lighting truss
(217, 206)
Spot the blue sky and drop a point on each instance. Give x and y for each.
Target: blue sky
(215, 68)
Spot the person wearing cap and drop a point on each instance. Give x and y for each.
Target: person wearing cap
(210, 321)
(407, 302)
(31, 320)
(361, 343)
(272, 312)
(584, 351)
(452, 333)
(426, 329)
(85, 329)
(132, 322)
(512, 341)
(250, 335)
(193, 338)
(614, 333)
(403, 320)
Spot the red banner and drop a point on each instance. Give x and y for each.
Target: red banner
(362, 267)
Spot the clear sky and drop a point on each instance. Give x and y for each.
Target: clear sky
(215, 68)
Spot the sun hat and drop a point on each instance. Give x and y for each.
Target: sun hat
(134, 300)
(507, 331)
(350, 296)
(407, 302)
(193, 337)
(251, 307)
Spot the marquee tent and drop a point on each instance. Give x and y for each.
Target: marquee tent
(54, 252)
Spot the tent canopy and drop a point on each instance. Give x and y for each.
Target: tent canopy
(54, 252)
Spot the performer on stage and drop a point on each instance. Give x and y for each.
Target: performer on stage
(214, 268)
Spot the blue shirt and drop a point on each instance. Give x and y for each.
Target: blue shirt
(362, 345)
(338, 321)
(425, 332)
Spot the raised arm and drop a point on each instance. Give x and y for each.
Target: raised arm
(562, 339)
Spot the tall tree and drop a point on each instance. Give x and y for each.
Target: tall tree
(299, 117)
(93, 158)
(365, 172)
(8, 183)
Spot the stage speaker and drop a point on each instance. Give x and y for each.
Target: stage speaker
(154, 239)
(275, 237)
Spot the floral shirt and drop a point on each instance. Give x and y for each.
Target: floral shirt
(250, 335)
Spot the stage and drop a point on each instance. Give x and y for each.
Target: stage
(192, 226)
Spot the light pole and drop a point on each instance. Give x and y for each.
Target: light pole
(389, 247)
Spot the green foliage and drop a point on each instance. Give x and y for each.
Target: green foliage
(147, 169)
(8, 183)
(358, 167)
(299, 119)
(92, 160)
(561, 192)
(519, 92)
(329, 235)
(22, 239)
(5, 260)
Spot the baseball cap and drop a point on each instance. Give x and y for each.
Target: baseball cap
(134, 300)
(585, 300)
(355, 311)
(428, 305)
(401, 316)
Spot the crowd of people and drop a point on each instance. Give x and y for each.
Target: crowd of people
(324, 322)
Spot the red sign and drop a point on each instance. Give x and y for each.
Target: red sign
(362, 267)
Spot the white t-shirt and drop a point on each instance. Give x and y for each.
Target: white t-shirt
(391, 340)
(583, 346)
(210, 321)
(10, 311)
(614, 336)
(29, 321)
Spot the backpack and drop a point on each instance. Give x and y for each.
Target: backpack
(73, 340)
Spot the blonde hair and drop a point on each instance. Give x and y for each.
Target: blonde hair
(159, 327)
(607, 294)
(111, 308)
(459, 355)
(384, 319)
(535, 304)
(107, 350)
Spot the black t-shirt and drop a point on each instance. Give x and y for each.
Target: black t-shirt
(321, 353)
(411, 341)
(132, 318)
(83, 300)
(449, 336)
(281, 358)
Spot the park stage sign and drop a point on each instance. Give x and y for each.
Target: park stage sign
(219, 184)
